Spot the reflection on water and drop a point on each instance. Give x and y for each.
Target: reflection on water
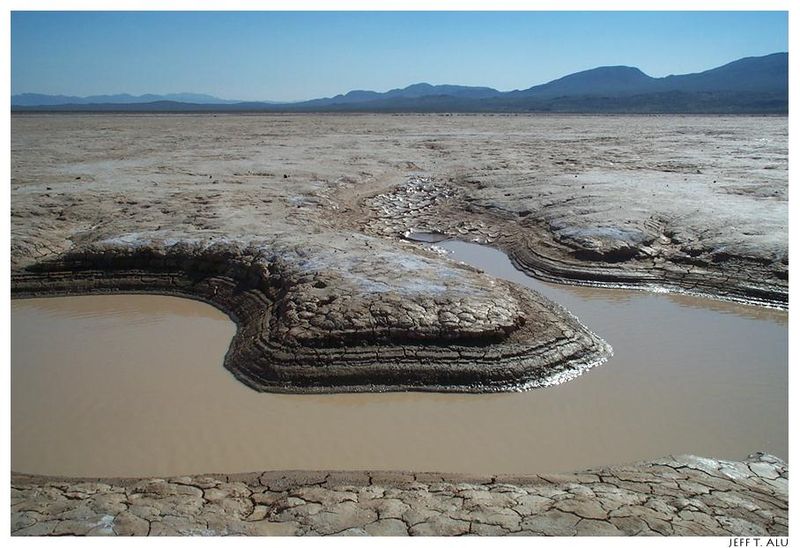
(755, 312)
(132, 385)
(427, 237)
(117, 308)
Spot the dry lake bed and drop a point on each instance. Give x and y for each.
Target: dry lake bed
(216, 315)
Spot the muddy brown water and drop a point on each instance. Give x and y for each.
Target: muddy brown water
(132, 385)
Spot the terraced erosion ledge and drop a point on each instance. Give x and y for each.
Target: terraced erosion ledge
(328, 317)
(682, 495)
(624, 238)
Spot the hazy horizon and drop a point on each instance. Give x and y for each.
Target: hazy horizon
(291, 56)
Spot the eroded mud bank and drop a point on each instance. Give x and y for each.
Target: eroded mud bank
(637, 248)
(333, 319)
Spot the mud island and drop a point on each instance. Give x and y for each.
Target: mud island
(297, 226)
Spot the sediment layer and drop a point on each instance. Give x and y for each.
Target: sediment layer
(310, 320)
(682, 495)
(648, 255)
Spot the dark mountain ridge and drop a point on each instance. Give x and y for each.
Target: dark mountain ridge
(597, 81)
(748, 85)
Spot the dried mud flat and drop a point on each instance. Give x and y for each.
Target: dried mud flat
(681, 495)
(294, 226)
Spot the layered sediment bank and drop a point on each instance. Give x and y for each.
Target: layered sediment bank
(316, 319)
(564, 244)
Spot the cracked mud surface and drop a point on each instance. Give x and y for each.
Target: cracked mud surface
(682, 495)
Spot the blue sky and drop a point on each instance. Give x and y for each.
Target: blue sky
(302, 55)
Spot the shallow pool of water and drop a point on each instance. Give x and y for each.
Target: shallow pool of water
(132, 385)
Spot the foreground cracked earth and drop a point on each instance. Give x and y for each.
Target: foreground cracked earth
(682, 495)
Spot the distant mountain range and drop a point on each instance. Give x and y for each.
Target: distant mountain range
(749, 85)
(39, 99)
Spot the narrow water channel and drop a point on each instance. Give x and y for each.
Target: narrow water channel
(132, 385)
